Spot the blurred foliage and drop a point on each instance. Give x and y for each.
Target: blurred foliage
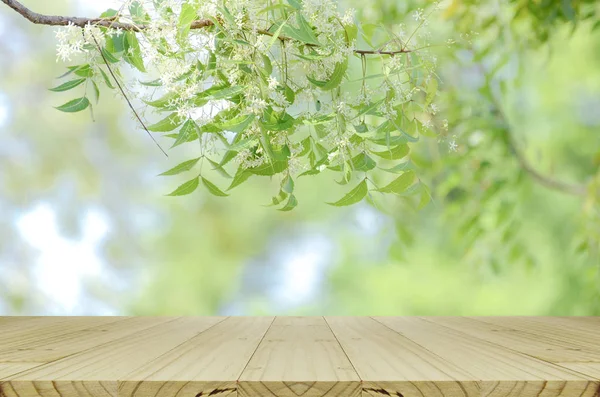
(492, 241)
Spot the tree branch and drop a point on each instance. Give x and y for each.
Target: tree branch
(56, 20)
(570, 188)
(565, 187)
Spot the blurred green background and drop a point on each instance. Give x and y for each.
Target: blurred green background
(85, 227)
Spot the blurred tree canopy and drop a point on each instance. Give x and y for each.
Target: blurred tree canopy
(513, 226)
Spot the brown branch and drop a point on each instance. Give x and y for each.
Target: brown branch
(570, 188)
(56, 20)
(549, 182)
(379, 52)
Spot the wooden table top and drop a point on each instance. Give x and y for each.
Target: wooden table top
(299, 356)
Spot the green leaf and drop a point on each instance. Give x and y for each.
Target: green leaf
(238, 124)
(186, 188)
(395, 153)
(425, 196)
(106, 80)
(287, 185)
(240, 177)
(169, 123)
(361, 128)
(82, 70)
(243, 144)
(213, 188)
(188, 132)
(431, 92)
(163, 101)
(111, 12)
(269, 169)
(303, 32)
(336, 77)
(296, 4)
(393, 140)
(290, 95)
(362, 162)
(400, 168)
(291, 204)
(185, 166)
(75, 105)
(226, 93)
(116, 44)
(353, 196)
(67, 86)
(272, 122)
(153, 83)
(133, 53)
(267, 64)
(96, 91)
(108, 56)
(399, 184)
(275, 36)
(187, 16)
(219, 169)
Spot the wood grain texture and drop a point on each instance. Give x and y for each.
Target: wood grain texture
(205, 365)
(543, 347)
(299, 356)
(501, 371)
(390, 364)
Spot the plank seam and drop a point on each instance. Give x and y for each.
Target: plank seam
(167, 352)
(550, 363)
(448, 363)
(254, 352)
(10, 377)
(345, 354)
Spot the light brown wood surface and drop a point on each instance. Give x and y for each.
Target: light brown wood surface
(299, 356)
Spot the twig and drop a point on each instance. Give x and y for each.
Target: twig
(379, 52)
(56, 20)
(565, 187)
(125, 96)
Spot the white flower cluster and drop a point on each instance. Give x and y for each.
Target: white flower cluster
(276, 79)
(72, 40)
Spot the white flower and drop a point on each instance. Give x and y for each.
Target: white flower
(419, 15)
(322, 167)
(273, 83)
(348, 18)
(63, 52)
(452, 145)
(257, 105)
(434, 108)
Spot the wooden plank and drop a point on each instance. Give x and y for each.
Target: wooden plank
(21, 334)
(539, 346)
(299, 356)
(208, 364)
(501, 371)
(392, 365)
(13, 319)
(547, 328)
(96, 372)
(588, 368)
(50, 349)
(10, 369)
